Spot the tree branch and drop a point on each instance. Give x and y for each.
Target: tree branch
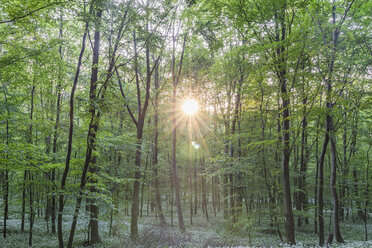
(31, 12)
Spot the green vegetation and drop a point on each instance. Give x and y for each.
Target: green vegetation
(188, 123)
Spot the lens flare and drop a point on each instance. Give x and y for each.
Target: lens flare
(190, 106)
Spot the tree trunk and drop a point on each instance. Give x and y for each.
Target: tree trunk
(302, 198)
(93, 128)
(336, 224)
(204, 190)
(70, 135)
(6, 174)
(90, 157)
(366, 193)
(156, 148)
(195, 191)
(31, 206)
(316, 209)
(23, 201)
(190, 168)
(140, 124)
(175, 81)
(55, 135)
(174, 161)
(143, 181)
(331, 129)
(29, 140)
(282, 71)
(320, 192)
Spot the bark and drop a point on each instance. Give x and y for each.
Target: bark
(6, 196)
(190, 168)
(171, 192)
(175, 82)
(282, 71)
(56, 125)
(204, 190)
(23, 201)
(320, 191)
(214, 196)
(31, 206)
(235, 120)
(195, 192)
(174, 161)
(156, 148)
(231, 176)
(226, 176)
(138, 155)
(285, 164)
(28, 173)
(143, 181)
(345, 170)
(331, 128)
(302, 198)
(336, 224)
(70, 135)
(316, 210)
(93, 128)
(6, 173)
(140, 125)
(240, 189)
(366, 193)
(90, 157)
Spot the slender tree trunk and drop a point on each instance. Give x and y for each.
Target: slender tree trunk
(366, 193)
(331, 129)
(23, 201)
(56, 125)
(138, 156)
(195, 191)
(320, 192)
(343, 188)
(156, 148)
(190, 169)
(336, 224)
(90, 157)
(231, 176)
(175, 81)
(303, 163)
(70, 135)
(28, 173)
(93, 128)
(214, 196)
(174, 161)
(285, 168)
(171, 194)
(143, 183)
(289, 225)
(204, 190)
(6, 197)
(316, 209)
(6, 174)
(31, 206)
(140, 125)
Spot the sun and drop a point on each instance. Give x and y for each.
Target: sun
(190, 106)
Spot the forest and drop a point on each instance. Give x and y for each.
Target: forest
(185, 123)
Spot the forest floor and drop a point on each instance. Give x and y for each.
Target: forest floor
(214, 233)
